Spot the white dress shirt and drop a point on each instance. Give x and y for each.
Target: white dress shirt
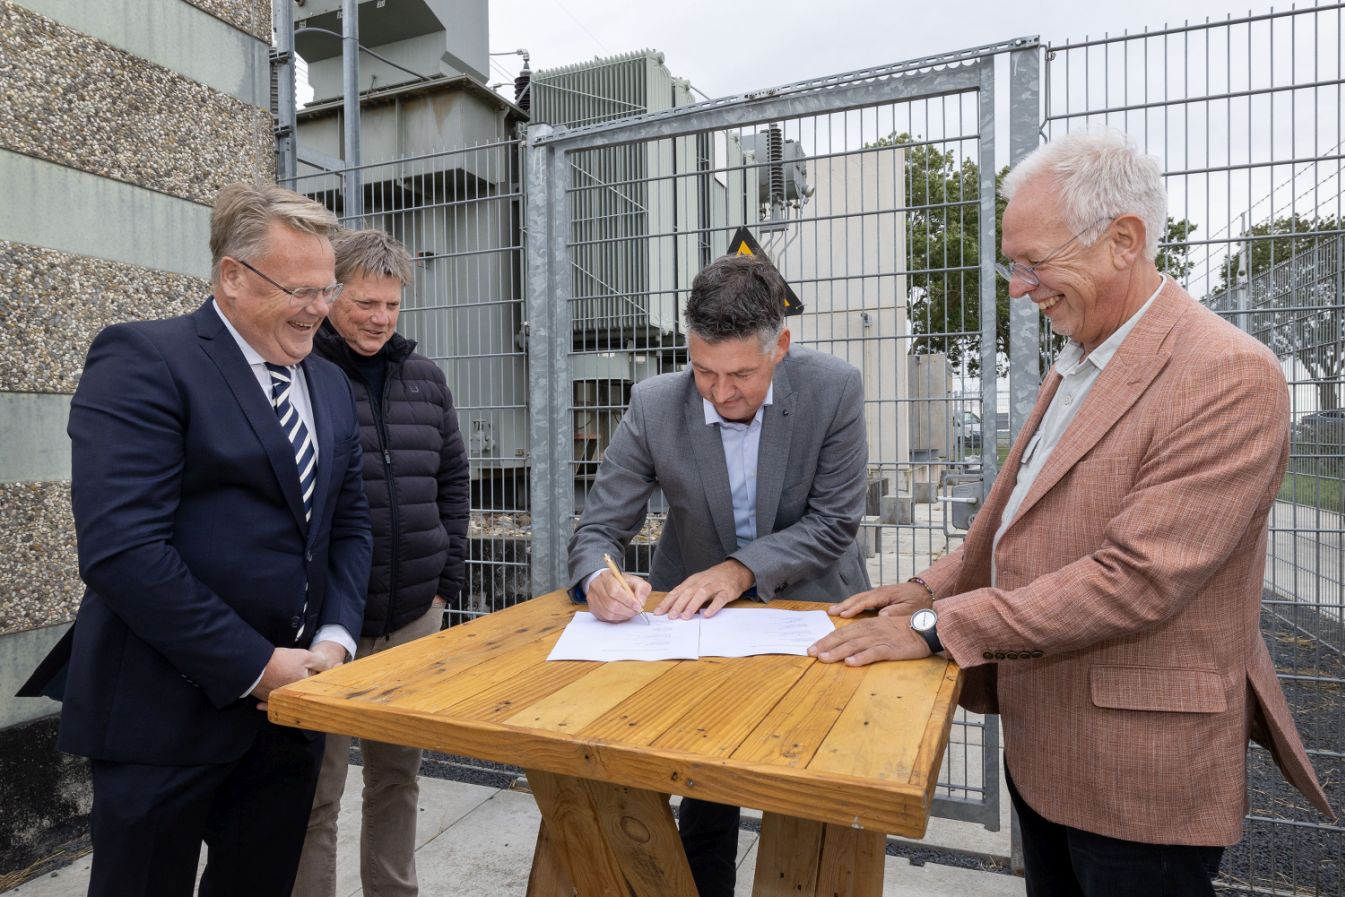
(1077, 376)
(742, 444)
(299, 398)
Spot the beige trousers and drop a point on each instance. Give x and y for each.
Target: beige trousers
(388, 833)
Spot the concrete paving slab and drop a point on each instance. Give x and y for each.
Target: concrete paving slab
(478, 842)
(486, 853)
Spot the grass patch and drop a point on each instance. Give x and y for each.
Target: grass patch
(1327, 493)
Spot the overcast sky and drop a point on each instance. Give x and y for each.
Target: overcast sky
(733, 46)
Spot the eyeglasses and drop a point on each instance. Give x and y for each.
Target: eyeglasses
(302, 295)
(1028, 273)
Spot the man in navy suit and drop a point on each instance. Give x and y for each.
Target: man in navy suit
(224, 539)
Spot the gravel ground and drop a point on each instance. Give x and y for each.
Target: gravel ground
(1288, 847)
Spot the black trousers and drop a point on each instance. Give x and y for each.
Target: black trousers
(710, 838)
(1062, 861)
(148, 822)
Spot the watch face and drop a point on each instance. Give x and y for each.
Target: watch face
(923, 619)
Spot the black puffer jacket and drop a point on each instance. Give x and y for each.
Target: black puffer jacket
(417, 480)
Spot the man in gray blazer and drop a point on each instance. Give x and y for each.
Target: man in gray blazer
(761, 452)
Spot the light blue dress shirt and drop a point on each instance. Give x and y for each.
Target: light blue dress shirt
(742, 443)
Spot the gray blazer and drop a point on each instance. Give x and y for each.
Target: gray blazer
(811, 471)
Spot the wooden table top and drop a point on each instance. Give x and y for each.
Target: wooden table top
(853, 746)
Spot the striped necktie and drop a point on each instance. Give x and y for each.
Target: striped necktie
(305, 453)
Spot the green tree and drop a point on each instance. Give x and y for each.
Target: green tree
(943, 254)
(1287, 273)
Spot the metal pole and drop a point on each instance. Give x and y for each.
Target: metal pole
(352, 186)
(1024, 323)
(548, 344)
(282, 66)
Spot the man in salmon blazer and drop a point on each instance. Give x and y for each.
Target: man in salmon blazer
(1106, 601)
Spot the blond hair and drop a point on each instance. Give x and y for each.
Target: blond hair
(371, 253)
(243, 213)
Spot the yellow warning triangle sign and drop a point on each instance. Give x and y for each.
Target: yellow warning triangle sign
(743, 243)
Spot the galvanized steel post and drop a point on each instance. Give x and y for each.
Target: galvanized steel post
(352, 186)
(548, 345)
(1024, 324)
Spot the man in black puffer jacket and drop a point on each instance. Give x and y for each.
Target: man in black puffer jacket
(417, 481)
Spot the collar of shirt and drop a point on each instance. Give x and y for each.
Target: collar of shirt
(712, 416)
(1071, 357)
(250, 354)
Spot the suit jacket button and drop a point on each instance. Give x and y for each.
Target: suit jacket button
(1036, 653)
(988, 656)
(999, 655)
(1010, 655)
(309, 556)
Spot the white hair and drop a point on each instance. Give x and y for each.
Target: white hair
(1098, 173)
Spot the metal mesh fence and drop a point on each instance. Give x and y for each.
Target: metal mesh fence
(459, 212)
(1245, 115)
(873, 215)
(874, 194)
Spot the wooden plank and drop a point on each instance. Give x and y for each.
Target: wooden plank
(572, 823)
(852, 863)
(788, 856)
(639, 829)
(483, 686)
(930, 756)
(420, 665)
(573, 707)
(879, 734)
(719, 718)
(647, 714)
(894, 807)
(795, 728)
(548, 877)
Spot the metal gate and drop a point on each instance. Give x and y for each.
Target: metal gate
(874, 194)
(459, 212)
(551, 274)
(1246, 116)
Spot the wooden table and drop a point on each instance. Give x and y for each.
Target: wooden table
(837, 758)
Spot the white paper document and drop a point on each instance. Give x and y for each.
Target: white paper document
(729, 633)
(588, 638)
(743, 632)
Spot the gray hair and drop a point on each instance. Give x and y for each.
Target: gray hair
(1098, 173)
(371, 253)
(243, 213)
(736, 297)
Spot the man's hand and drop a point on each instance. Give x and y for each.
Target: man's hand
(899, 600)
(327, 655)
(718, 585)
(285, 666)
(868, 641)
(609, 602)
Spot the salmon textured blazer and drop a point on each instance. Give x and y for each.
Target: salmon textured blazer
(1122, 642)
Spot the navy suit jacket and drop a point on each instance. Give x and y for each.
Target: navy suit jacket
(192, 540)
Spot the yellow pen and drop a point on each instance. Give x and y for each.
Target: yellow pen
(625, 586)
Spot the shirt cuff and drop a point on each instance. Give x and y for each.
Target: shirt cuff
(334, 633)
(253, 686)
(588, 581)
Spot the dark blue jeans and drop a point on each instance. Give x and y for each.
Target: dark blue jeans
(1068, 862)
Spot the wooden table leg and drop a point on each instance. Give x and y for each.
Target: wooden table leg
(801, 857)
(613, 841)
(548, 877)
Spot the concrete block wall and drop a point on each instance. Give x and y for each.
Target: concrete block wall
(119, 121)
